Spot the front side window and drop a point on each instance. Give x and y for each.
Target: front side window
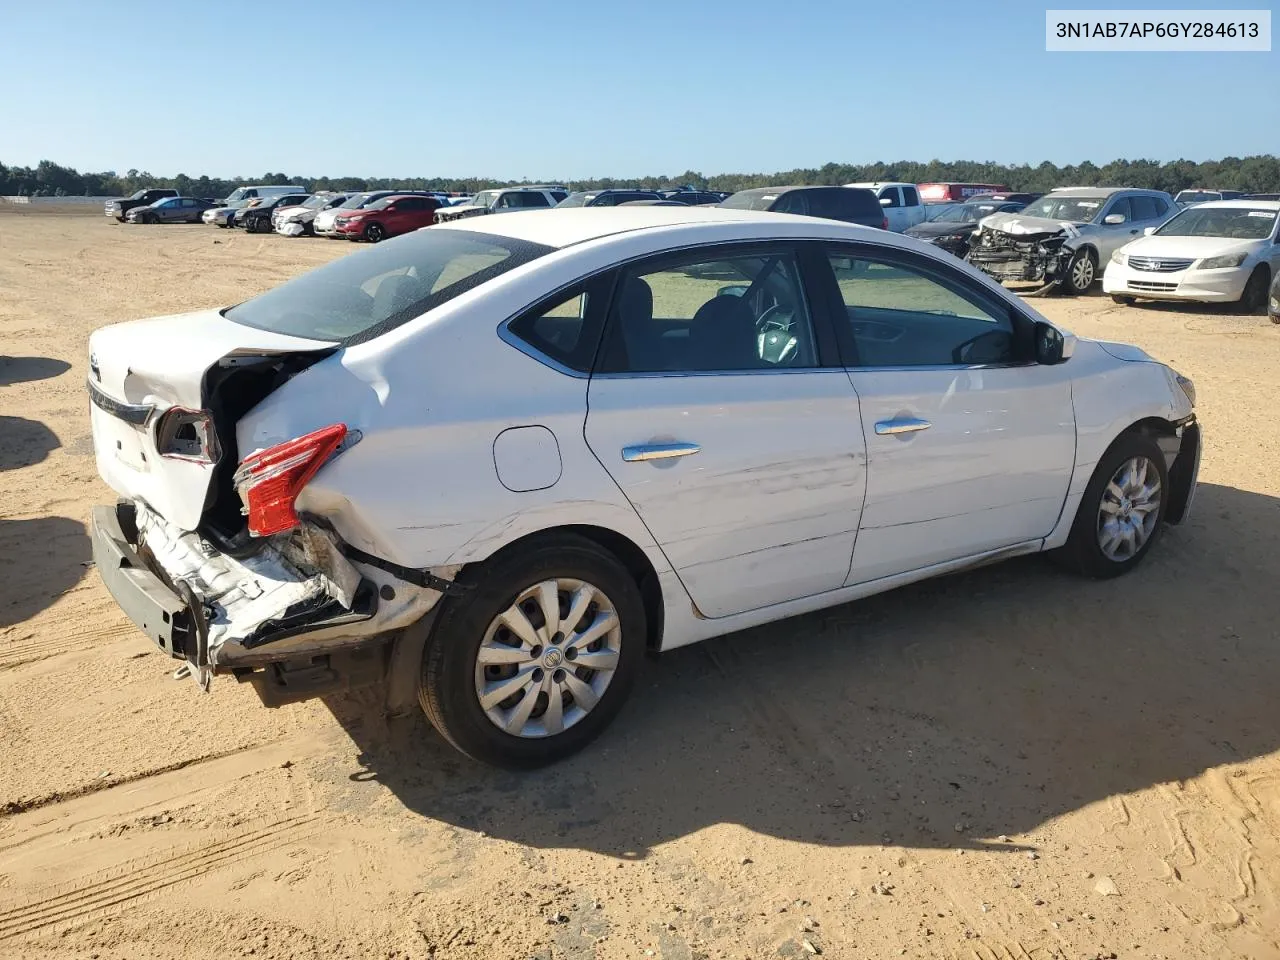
(890, 194)
(907, 316)
(367, 293)
(738, 313)
(1122, 208)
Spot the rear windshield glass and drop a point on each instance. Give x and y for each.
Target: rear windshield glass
(752, 200)
(367, 293)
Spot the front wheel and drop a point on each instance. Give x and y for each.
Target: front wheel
(375, 232)
(1081, 272)
(1122, 511)
(535, 659)
(1254, 297)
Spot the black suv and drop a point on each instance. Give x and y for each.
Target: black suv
(850, 204)
(607, 198)
(257, 219)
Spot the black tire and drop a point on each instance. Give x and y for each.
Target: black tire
(1123, 300)
(1073, 282)
(447, 682)
(1082, 553)
(1254, 297)
(375, 233)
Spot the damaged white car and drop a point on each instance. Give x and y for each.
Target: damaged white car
(491, 463)
(1064, 239)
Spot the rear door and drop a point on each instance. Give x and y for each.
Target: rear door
(970, 446)
(912, 209)
(719, 408)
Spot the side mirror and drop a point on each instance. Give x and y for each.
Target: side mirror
(1148, 231)
(1051, 345)
(886, 201)
(737, 290)
(1112, 219)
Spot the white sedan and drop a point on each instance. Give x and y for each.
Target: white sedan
(491, 463)
(1224, 251)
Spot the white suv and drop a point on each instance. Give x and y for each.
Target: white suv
(503, 201)
(903, 207)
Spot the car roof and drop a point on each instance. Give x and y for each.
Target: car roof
(874, 184)
(1099, 191)
(564, 227)
(1242, 204)
(780, 190)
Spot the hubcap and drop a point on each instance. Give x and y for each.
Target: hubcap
(1130, 509)
(1082, 275)
(547, 659)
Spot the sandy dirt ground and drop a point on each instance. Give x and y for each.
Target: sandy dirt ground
(1009, 764)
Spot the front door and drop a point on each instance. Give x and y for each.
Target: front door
(732, 431)
(970, 444)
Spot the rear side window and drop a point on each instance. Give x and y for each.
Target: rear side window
(532, 199)
(557, 331)
(365, 294)
(909, 197)
(860, 202)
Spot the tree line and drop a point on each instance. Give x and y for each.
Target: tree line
(1258, 174)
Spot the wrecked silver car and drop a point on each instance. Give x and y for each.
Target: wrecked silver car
(1062, 239)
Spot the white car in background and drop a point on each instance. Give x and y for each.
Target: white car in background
(1219, 251)
(296, 221)
(903, 207)
(493, 462)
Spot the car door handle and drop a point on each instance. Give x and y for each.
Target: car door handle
(891, 428)
(658, 451)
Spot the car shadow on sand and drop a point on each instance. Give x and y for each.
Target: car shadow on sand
(26, 369)
(40, 559)
(996, 699)
(24, 442)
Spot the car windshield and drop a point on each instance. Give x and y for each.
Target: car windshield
(364, 294)
(354, 201)
(139, 195)
(751, 200)
(317, 203)
(1074, 209)
(380, 204)
(236, 196)
(1196, 196)
(578, 199)
(484, 198)
(1234, 223)
(965, 213)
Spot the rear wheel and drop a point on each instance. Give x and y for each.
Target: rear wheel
(1081, 272)
(535, 659)
(1122, 511)
(375, 232)
(1254, 297)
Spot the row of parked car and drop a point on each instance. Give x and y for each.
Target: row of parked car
(1205, 245)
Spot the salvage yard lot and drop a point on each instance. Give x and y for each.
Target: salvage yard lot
(1010, 763)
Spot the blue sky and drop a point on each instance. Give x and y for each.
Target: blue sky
(574, 89)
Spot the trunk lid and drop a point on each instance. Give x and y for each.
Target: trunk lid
(140, 370)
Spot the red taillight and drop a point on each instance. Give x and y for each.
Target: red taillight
(884, 224)
(270, 480)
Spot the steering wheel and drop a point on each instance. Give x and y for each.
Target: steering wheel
(775, 318)
(776, 343)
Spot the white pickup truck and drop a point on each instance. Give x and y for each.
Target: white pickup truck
(901, 202)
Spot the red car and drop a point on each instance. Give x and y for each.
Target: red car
(388, 217)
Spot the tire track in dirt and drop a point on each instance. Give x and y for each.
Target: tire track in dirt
(10, 808)
(79, 637)
(135, 881)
